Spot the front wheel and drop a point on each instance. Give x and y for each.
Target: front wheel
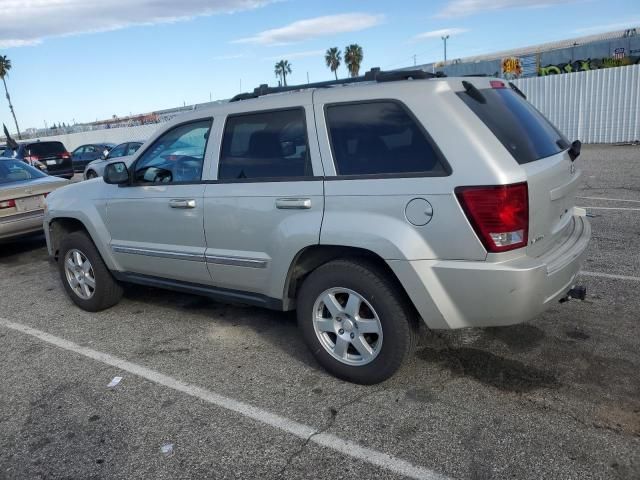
(91, 174)
(356, 320)
(84, 275)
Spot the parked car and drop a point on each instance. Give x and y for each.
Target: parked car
(85, 154)
(50, 157)
(364, 207)
(23, 189)
(94, 169)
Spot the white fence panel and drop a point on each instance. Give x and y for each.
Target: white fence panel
(597, 106)
(107, 135)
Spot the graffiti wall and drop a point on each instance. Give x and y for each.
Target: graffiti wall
(587, 64)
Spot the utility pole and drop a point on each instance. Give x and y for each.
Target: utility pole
(307, 78)
(444, 39)
(414, 60)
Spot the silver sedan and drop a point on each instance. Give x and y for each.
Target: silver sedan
(22, 193)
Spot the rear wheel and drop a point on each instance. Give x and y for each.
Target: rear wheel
(356, 321)
(84, 275)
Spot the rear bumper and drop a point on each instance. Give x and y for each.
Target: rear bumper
(458, 294)
(21, 224)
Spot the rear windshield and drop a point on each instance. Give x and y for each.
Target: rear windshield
(522, 129)
(17, 171)
(42, 149)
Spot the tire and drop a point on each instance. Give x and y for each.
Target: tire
(105, 293)
(385, 304)
(91, 174)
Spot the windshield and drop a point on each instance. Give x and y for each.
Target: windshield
(522, 129)
(17, 171)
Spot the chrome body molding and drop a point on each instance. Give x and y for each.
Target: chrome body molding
(151, 252)
(193, 257)
(237, 261)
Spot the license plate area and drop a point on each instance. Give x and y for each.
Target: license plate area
(29, 204)
(52, 162)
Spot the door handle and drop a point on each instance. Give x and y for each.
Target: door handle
(293, 203)
(179, 203)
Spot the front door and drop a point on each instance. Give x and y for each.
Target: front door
(266, 205)
(156, 223)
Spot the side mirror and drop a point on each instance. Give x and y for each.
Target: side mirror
(574, 151)
(116, 174)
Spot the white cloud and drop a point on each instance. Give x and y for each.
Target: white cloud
(459, 8)
(28, 22)
(439, 33)
(634, 23)
(289, 56)
(313, 28)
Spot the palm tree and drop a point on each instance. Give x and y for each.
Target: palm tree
(353, 58)
(283, 68)
(5, 66)
(333, 57)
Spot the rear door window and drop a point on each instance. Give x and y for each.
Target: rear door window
(265, 145)
(45, 149)
(378, 138)
(522, 129)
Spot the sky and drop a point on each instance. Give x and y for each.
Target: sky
(79, 60)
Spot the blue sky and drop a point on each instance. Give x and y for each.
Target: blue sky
(81, 60)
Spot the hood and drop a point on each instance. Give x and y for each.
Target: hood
(128, 160)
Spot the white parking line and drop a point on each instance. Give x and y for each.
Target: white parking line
(609, 199)
(305, 432)
(610, 275)
(612, 208)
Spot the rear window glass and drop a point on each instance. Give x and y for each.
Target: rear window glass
(42, 149)
(522, 129)
(17, 171)
(379, 137)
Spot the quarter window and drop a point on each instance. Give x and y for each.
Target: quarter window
(379, 137)
(177, 156)
(265, 145)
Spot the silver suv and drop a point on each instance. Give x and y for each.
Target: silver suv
(365, 207)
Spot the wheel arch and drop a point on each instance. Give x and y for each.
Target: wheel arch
(312, 257)
(59, 227)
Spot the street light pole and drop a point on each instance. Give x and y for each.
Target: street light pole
(444, 39)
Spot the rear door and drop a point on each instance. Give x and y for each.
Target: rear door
(542, 152)
(267, 202)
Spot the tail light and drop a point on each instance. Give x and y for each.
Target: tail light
(7, 204)
(498, 214)
(66, 155)
(31, 159)
(497, 84)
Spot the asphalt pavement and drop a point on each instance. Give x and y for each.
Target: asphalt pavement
(211, 390)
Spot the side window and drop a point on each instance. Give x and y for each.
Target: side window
(133, 148)
(78, 150)
(265, 145)
(177, 156)
(90, 149)
(117, 151)
(379, 137)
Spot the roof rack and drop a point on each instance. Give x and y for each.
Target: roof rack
(373, 75)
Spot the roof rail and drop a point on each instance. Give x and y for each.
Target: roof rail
(373, 75)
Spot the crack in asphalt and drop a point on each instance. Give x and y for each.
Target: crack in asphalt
(333, 412)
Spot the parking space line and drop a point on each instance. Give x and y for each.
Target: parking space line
(613, 208)
(610, 275)
(300, 430)
(609, 199)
